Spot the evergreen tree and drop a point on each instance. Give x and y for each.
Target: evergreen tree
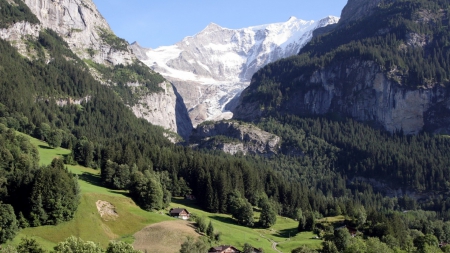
(8, 223)
(210, 230)
(268, 215)
(28, 245)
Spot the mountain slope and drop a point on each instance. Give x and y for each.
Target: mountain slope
(109, 58)
(386, 65)
(212, 67)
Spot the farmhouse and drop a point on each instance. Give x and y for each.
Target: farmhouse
(180, 213)
(224, 249)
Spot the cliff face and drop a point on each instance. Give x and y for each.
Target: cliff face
(233, 137)
(165, 109)
(82, 26)
(335, 75)
(89, 36)
(359, 89)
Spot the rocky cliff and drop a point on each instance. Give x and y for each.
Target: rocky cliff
(353, 72)
(83, 28)
(165, 109)
(212, 67)
(89, 36)
(233, 137)
(361, 90)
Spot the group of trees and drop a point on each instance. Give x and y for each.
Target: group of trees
(32, 195)
(71, 244)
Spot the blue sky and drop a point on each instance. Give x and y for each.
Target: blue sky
(165, 22)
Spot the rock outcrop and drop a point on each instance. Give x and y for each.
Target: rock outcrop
(234, 137)
(165, 109)
(361, 90)
(82, 26)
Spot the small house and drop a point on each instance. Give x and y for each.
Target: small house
(179, 213)
(224, 249)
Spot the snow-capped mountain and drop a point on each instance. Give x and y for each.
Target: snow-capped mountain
(212, 67)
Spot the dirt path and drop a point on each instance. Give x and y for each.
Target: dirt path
(274, 244)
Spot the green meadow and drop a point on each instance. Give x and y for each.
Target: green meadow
(88, 225)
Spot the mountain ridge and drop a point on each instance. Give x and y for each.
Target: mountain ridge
(213, 66)
(367, 68)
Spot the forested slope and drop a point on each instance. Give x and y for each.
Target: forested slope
(389, 68)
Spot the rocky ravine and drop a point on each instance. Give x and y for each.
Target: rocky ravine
(212, 67)
(234, 137)
(89, 36)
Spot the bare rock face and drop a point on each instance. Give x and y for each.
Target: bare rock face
(82, 26)
(359, 89)
(233, 137)
(18, 32)
(165, 109)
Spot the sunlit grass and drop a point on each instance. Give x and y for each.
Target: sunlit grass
(88, 225)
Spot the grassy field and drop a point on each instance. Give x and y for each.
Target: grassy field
(88, 225)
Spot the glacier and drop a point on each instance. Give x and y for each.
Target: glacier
(213, 67)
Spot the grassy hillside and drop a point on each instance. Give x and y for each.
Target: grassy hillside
(88, 225)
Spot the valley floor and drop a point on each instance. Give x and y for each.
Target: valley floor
(151, 231)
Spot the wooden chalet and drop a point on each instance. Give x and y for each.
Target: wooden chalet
(179, 213)
(224, 249)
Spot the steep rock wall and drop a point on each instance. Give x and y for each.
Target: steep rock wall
(81, 25)
(165, 109)
(359, 89)
(242, 138)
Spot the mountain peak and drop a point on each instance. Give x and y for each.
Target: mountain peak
(213, 27)
(291, 18)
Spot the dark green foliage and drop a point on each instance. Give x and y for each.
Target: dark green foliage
(422, 242)
(29, 245)
(210, 230)
(120, 247)
(329, 247)
(268, 215)
(200, 222)
(77, 245)
(13, 13)
(54, 195)
(146, 190)
(303, 249)
(55, 138)
(241, 209)
(192, 246)
(8, 223)
(307, 222)
(341, 238)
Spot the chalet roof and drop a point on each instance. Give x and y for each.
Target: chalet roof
(222, 248)
(178, 210)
